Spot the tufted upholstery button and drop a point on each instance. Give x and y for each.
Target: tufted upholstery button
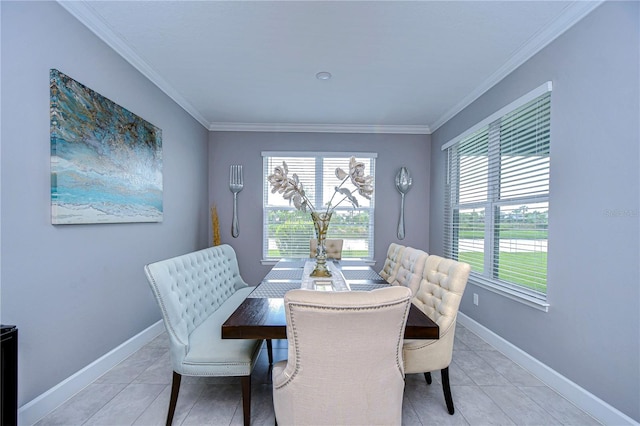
(200, 283)
(410, 270)
(439, 294)
(333, 248)
(392, 262)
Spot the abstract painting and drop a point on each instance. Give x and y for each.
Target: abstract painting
(106, 162)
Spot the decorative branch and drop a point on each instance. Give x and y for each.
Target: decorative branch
(215, 225)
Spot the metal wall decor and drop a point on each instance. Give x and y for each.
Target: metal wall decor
(236, 183)
(403, 185)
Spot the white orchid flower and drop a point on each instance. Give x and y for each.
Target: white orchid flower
(292, 189)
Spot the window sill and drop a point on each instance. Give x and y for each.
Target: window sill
(346, 260)
(520, 297)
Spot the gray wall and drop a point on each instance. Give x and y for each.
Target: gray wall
(591, 332)
(394, 151)
(78, 291)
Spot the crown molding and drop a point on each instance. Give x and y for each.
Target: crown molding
(569, 17)
(84, 13)
(319, 128)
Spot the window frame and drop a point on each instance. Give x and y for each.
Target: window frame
(487, 278)
(319, 157)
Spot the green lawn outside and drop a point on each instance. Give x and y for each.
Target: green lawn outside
(511, 234)
(475, 259)
(508, 260)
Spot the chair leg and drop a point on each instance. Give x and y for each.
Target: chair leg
(427, 377)
(175, 388)
(270, 351)
(246, 399)
(447, 389)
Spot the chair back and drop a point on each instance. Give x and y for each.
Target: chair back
(411, 268)
(392, 262)
(190, 287)
(332, 246)
(345, 358)
(441, 288)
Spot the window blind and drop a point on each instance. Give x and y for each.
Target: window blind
(287, 231)
(497, 198)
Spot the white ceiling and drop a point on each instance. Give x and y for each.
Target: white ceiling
(402, 67)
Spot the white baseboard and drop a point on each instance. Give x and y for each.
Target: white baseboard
(581, 398)
(39, 407)
(42, 405)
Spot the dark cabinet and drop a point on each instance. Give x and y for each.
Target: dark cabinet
(8, 375)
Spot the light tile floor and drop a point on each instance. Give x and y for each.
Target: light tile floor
(487, 388)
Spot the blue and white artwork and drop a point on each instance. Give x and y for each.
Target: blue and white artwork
(106, 162)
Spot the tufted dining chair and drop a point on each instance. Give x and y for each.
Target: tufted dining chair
(357, 379)
(392, 262)
(441, 288)
(410, 269)
(331, 245)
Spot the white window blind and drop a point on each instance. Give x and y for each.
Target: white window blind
(287, 231)
(497, 198)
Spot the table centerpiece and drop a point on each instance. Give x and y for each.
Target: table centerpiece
(292, 189)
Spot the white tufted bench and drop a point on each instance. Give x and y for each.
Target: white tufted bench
(196, 293)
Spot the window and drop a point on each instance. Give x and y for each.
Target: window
(497, 199)
(287, 231)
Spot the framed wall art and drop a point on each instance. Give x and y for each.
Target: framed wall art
(106, 162)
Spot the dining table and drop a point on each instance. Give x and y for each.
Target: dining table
(262, 316)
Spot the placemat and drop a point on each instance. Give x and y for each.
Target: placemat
(289, 275)
(367, 287)
(368, 274)
(298, 263)
(284, 274)
(273, 290)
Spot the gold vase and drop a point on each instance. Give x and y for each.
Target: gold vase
(321, 224)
